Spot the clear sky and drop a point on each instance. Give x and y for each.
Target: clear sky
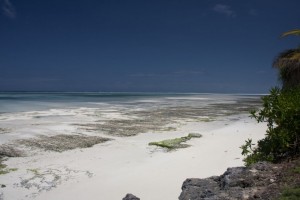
(225, 46)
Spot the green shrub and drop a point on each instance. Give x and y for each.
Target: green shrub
(290, 194)
(281, 111)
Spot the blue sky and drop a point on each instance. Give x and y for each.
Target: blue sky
(224, 46)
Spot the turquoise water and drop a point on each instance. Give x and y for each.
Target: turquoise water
(26, 101)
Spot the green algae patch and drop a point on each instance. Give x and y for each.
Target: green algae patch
(34, 171)
(5, 170)
(176, 143)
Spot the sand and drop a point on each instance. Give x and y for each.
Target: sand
(129, 165)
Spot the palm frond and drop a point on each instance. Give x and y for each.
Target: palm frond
(292, 32)
(288, 63)
(288, 59)
(296, 56)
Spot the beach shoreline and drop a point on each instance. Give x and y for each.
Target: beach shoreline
(128, 164)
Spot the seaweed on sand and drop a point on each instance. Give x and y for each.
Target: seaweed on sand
(63, 142)
(176, 143)
(162, 119)
(4, 130)
(7, 150)
(5, 170)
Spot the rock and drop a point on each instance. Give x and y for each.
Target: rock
(238, 183)
(130, 197)
(195, 135)
(199, 188)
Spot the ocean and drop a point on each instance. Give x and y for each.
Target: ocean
(30, 101)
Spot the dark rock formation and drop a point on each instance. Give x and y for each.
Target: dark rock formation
(238, 183)
(130, 197)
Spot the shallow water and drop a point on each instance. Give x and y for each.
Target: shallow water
(20, 102)
(24, 115)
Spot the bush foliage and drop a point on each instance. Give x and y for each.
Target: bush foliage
(281, 111)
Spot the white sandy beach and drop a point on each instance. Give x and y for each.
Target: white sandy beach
(130, 165)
